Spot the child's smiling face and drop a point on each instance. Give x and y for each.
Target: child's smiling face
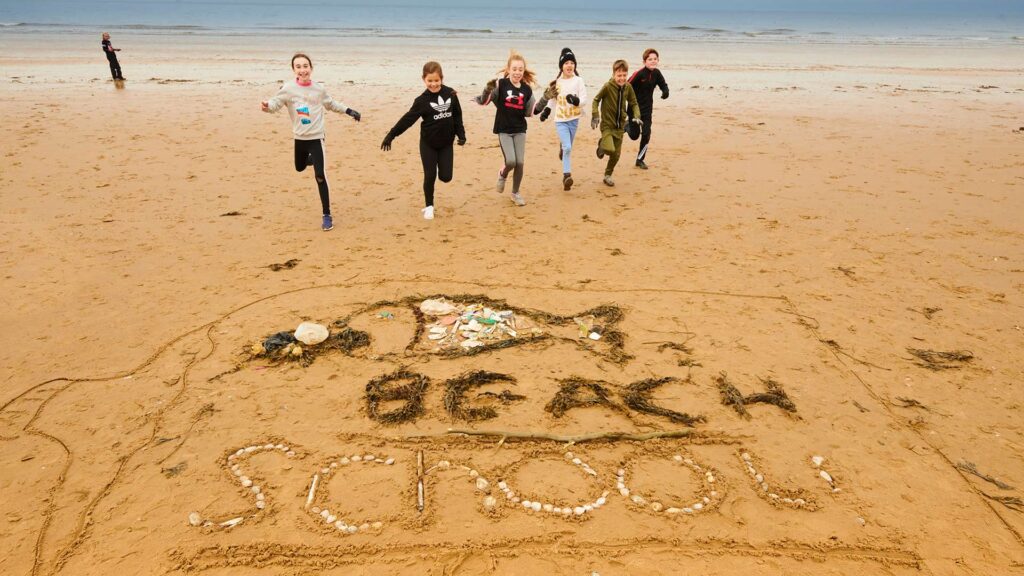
(516, 69)
(620, 77)
(433, 82)
(302, 68)
(568, 69)
(652, 61)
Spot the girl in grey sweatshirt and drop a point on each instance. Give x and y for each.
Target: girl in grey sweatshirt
(306, 101)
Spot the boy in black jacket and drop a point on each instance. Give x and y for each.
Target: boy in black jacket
(439, 108)
(643, 81)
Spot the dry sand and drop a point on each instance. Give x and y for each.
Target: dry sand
(805, 219)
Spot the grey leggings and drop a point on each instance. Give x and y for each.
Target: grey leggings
(513, 147)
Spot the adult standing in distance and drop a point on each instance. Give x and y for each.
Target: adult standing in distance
(109, 50)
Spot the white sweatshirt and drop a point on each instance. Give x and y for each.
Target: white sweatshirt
(305, 107)
(563, 111)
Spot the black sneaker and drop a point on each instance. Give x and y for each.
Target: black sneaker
(640, 164)
(566, 181)
(600, 152)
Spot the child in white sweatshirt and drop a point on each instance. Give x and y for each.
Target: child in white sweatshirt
(306, 101)
(567, 104)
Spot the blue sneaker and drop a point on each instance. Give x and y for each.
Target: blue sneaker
(328, 223)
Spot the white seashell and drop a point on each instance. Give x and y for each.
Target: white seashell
(377, 525)
(502, 485)
(764, 487)
(339, 525)
(364, 526)
(255, 489)
(773, 496)
(289, 453)
(315, 509)
(759, 478)
(605, 494)
(579, 511)
(245, 481)
(325, 513)
(688, 462)
(536, 506)
(577, 461)
(357, 458)
(250, 449)
(195, 519)
(595, 336)
(714, 494)
(799, 501)
(437, 336)
(698, 506)
(556, 510)
(745, 456)
(569, 456)
(260, 504)
(601, 501)
(515, 499)
(817, 461)
(268, 446)
(473, 473)
(331, 519)
(656, 506)
(621, 473)
(707, 500)
(836, 490)
(527, 504)
(438, 330)
(352, 529)
(238, 472)
(751, 471)
(239, 452)
(378, 460)
(325, 471)
(481, 484)
(548, 508)
(825, 476)
(232, 522)
(311, 334)
(637, 498)
(588, 507)
(673, 511)
(368, 458)
(490, 502)
(260, 496)
(590, 471)
(677, 458)
(787, 500)
(389, 461)
(624, 491)
(711, 479)
(343, 461)
(688, 510)
(334, 464)
(444, 465)
(280, 447)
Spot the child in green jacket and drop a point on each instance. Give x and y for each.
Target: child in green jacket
(612, 102)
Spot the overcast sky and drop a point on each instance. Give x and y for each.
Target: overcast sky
(883, 6)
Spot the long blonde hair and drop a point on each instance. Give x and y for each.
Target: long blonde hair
(528, 76)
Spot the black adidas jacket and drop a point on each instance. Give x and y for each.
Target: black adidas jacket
(441, 115)
(644, 80)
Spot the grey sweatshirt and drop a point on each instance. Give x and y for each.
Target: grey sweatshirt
(306, 106)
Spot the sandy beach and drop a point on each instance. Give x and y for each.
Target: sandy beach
(841, 227)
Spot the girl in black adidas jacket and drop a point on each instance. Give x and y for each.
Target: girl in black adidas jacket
(439, 108)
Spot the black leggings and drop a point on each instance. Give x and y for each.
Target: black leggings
(313, 150)
(115, 68)
(645, 136)
(437, 163)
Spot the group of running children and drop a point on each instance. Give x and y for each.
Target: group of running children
(621, 106)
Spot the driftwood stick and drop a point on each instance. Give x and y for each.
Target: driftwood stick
(419, 480)
(507, 435)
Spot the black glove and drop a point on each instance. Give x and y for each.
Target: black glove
(355, 115)
(544, 115)
(540, 105)
(573, 99)
(595, 122)
(637, 121)
(664, 94)
(461, 142)
(386, 144)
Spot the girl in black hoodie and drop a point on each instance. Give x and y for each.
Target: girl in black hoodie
(439, 108)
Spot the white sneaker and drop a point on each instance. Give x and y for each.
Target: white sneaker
(428, 213)
(501, 183)
(518, 200)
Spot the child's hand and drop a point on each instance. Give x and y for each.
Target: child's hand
(544, 115)
(595, 122)
(264, 106)
(355, 115)
(664, 94)
(462, 142)
(386, 144)
(573, 99)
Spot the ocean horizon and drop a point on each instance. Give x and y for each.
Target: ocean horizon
(225, 18)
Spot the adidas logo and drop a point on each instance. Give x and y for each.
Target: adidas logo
(442, 106)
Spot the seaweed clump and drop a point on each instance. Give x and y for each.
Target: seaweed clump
(378, 391)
